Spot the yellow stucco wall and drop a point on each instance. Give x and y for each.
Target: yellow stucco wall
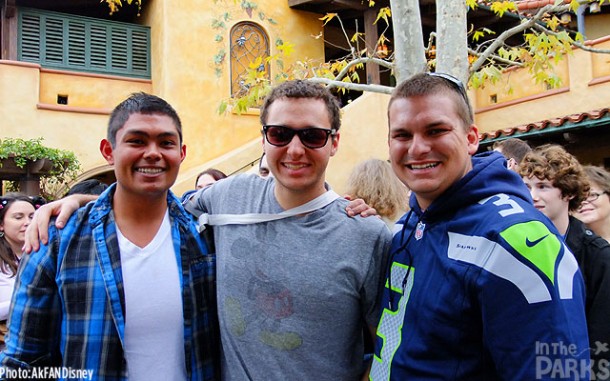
(586, 87)
(183, 73)
(96, 92)
(29, 109)
(364, 131)
(517, 85)
(600, 63)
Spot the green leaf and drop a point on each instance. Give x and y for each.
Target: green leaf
(222, 108)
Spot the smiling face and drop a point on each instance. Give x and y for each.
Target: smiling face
(429, 146)
(595, 212)
(16, 220)
(299, 171)
(147, 155)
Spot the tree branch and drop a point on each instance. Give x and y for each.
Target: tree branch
(497, 58)
(575, 43)
(352, 86)
(352, 49)
(362, 60)
(525, 24)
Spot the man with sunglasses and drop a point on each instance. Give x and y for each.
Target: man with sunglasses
(479, 284)
(294, 293)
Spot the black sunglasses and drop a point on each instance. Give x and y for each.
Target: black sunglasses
(312, 137)
(457, 85)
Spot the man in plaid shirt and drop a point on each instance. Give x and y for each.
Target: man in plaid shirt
(127, 289)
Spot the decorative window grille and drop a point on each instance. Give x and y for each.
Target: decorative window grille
(248, 42)
(60, 41)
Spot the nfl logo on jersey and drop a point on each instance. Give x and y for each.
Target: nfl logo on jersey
(419, 230)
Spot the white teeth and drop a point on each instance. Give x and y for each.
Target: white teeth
(294, 166)
(150, 170)
(423, 166)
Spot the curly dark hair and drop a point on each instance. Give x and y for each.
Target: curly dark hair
(552, 162)
(299, 89)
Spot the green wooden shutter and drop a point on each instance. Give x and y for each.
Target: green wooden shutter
(70, 42)
(29, 38)
(98, 47)
(53, 41)
(77, 44)
(120, 45)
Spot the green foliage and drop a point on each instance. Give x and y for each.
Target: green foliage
(501, 7)
(218, 24)
(220, 57)
(65, 164)
(478, 34)
(248, 5)
(384, 13)
(536, 48)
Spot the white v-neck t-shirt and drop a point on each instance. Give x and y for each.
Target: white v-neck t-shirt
(154, 322)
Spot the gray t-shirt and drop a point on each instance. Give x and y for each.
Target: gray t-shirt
(293, 294)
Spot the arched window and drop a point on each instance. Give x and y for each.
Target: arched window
(248, 42)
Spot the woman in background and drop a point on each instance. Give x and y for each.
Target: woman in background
(374, 181)
(16, 212)
(208, 177)
(595, 210)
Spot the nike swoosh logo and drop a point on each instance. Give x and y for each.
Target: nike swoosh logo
(535, 242)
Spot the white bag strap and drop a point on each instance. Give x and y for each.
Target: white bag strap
(253, 218)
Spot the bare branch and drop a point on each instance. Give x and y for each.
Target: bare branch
(353, 86)
(352, 49)
(497, 58)
(363, 60)
(525, 24)
(337, 46)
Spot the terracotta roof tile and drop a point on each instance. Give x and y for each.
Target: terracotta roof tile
(525, 5)
(544, 124)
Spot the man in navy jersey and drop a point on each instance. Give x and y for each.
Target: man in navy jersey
(480, 285)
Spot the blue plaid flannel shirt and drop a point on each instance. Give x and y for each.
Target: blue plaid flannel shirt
(68, 308)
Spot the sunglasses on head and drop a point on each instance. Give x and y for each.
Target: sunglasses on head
(312, 137)
(456, 84)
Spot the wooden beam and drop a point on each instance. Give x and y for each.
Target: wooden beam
(331, 5)
(9, 9)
